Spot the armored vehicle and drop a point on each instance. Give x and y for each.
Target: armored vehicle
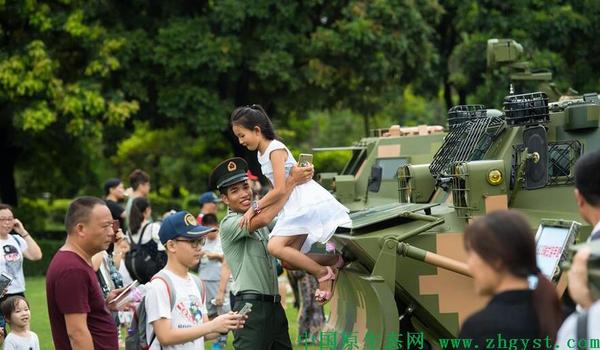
(369, 176)
(379, 156)
(407, 274)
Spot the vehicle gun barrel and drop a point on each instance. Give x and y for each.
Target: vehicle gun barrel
(432, 222)
(428, 257)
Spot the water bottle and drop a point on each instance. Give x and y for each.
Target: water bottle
(220, 307)
(137, 294)
(225, 301)
(134, 296)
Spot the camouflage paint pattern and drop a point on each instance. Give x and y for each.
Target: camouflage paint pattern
(388, 149)
(381, 288)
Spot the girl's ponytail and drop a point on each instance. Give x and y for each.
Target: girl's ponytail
(254, 116)
(136, 215)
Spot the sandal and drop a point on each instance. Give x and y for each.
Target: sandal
(323, 296)
(287, 266)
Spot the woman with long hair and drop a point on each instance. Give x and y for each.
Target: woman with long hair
(145, 243)
(524, 305)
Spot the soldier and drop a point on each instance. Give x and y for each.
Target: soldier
(245, 248)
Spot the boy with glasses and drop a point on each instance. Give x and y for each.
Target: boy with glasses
(184, 325)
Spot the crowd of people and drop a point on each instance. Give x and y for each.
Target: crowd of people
(109, 246)
(524, 304)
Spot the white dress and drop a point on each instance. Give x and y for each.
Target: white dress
(310, 209)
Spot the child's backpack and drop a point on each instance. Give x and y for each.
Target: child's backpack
(136, 335)
(144, 260)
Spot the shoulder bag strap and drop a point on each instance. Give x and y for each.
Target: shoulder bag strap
(161, 275)
(16, 240)
(582, 328)
(201, 287)
(142, 233)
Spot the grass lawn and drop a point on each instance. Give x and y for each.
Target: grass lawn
(36, 295)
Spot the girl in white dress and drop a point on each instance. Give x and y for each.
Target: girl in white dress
(311, 214)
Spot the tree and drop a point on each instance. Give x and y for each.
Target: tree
(71, 68)
(54, 65)
(190, 64)
(545, 28)
(172, 157)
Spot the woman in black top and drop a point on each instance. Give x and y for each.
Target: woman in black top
(524, 312)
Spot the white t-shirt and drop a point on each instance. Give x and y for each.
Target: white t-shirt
(188, 310)
(210, 270)
(17, 342)
(125, 273)
(151, 232)
(11, 261)
(567, 334)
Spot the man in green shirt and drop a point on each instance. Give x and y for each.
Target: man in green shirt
(245, 248)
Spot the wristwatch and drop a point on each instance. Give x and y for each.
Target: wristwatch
(255, 207)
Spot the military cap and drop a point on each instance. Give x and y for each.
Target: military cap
(227, 173)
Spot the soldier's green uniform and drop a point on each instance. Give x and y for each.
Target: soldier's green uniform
(254, 272)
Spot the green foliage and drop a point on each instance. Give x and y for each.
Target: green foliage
(545, 28)
(163, 204)
(331, 161)
(171, 156)
(33, 214)
(410, 109)
(56, 63)
(96, 89)
(49, 247)
(41, 215)
(36, 76)
(290, 57)
(57, 211)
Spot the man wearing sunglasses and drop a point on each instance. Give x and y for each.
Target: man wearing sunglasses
(175, 305)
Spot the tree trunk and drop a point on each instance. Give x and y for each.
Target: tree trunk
(448, 37)
(366, 125)
(243, 97)
(8, 191)
(448, 93)
(155, 180)
(462, 97)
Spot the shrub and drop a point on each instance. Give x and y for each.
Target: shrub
(32, 213)
(38, 215)
(161, 204)
(56, 213)
(49, 247)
